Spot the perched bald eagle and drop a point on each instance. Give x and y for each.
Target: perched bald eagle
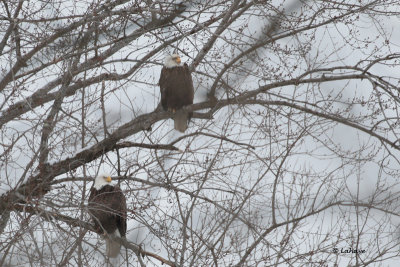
(176, 86)
(107, 207)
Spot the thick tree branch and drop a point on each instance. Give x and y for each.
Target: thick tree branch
(37, 185)
(127, 144)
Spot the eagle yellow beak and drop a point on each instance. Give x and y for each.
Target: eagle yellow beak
(108, 179)
(178, 60)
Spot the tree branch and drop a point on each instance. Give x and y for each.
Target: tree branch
(37, 185)
(54, 217)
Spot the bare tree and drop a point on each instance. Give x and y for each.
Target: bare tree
(291, 157)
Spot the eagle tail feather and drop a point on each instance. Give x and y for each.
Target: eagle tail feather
(113, 246)
(181, 120)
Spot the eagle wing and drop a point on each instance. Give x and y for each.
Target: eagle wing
(163, 83)
(188, 84)
(190, 89)
(121, 208)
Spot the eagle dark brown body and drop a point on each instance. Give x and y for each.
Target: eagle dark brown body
(176, 86)
(107, 207)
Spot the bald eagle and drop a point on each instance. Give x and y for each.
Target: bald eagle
(176, 86)
(107, 208)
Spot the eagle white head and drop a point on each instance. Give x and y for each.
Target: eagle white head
(102, 180)
(171, 61)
